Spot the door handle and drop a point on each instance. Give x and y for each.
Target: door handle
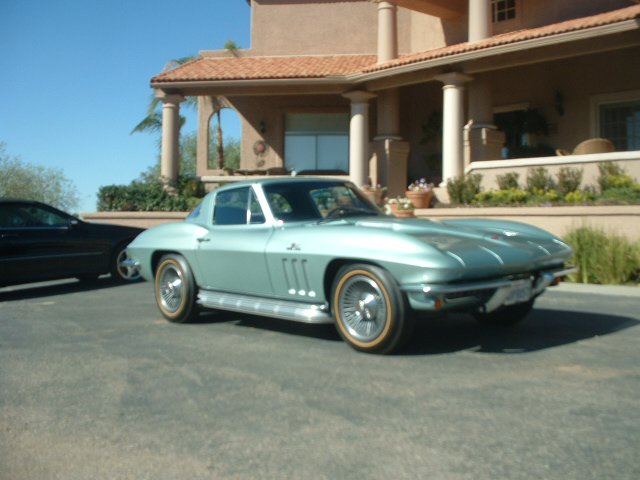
(204, 239)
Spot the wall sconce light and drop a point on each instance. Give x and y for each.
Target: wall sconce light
(262, 126)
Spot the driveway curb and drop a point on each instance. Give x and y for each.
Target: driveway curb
(591, 289)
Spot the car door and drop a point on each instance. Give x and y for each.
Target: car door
(231, 256)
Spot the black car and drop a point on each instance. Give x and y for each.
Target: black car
(39, 242)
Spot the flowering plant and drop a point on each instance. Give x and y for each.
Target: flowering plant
(374, 188)
(420, 185)
(399, 203)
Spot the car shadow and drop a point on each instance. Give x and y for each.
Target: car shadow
(57, 287)
(321, 331)
(542, 329)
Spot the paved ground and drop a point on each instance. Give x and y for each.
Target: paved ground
(95, 385)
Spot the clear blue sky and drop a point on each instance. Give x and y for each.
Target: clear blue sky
(75, 79)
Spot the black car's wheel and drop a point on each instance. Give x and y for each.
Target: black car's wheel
(506, 316)
(369, 309)
(120, 270)
(175, 289)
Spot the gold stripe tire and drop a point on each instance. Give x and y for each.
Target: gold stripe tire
(369, 309)
(175, 289)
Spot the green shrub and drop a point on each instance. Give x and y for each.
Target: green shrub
(538, 179)
(580, 196)
(508, 181)
(511, 196)
(150, 195)
(463, 189)
(604, 258)
(569, 180)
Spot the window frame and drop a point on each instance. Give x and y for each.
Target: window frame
(598, 101)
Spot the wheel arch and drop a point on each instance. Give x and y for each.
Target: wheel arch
(334, 267)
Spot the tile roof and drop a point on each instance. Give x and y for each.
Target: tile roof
(309, 67)
(261, 68)
(602, 19)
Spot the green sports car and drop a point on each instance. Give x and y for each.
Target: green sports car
(317, 251)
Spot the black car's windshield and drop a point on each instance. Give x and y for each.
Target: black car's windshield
(314, 201)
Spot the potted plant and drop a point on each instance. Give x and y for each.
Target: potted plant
(420, 193)
(374, 193)
(400, 207)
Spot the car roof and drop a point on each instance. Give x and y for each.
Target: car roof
(281, 180)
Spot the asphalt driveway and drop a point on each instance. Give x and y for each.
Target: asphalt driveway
(95, 384)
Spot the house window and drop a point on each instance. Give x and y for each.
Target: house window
(502, 10)
(620, 123)
(317, 142)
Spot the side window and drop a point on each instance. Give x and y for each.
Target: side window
(18, 216)
(237, 207)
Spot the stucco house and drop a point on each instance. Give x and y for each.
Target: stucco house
(389, 91)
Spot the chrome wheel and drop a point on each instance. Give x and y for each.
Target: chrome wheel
(171, 288)
(125, 270)
(369, 309)
(363, 308)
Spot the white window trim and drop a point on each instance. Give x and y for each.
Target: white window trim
(596, 101)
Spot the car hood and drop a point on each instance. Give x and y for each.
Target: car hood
(478, 244)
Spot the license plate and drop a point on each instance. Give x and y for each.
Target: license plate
(520, 292)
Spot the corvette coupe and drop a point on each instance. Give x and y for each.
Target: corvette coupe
(318, 251)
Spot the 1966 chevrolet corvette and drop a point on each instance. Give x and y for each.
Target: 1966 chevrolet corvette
(316, 250)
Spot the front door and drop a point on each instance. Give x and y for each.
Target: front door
(231, 256)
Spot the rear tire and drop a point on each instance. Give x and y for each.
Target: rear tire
(369, 309)
(506, 316)
(175, 289)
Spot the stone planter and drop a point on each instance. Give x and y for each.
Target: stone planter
(420, 198)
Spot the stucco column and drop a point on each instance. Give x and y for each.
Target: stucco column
(205, 112)
(480, 24)
(359, 136)
(452, 125)
(170, 158)
(387, 31)
(391, 153)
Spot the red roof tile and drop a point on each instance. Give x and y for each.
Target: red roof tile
(259, 68)
(568, 26)
(307, 67)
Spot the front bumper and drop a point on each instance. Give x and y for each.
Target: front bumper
(488, 295)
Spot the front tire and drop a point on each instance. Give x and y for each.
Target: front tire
(369, 309)
(506, 316)
(175, 289)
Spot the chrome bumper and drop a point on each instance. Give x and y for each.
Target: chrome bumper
(434, 296)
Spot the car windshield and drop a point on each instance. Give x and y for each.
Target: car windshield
(315, 201)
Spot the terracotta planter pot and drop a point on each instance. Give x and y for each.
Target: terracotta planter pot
(374, 195)
(401, 213)
(420, 198)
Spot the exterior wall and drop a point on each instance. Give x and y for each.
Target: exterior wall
(621, 220)
(309, 27)
(630, 161)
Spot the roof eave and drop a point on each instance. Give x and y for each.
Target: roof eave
(384, 73)
(449, 60)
